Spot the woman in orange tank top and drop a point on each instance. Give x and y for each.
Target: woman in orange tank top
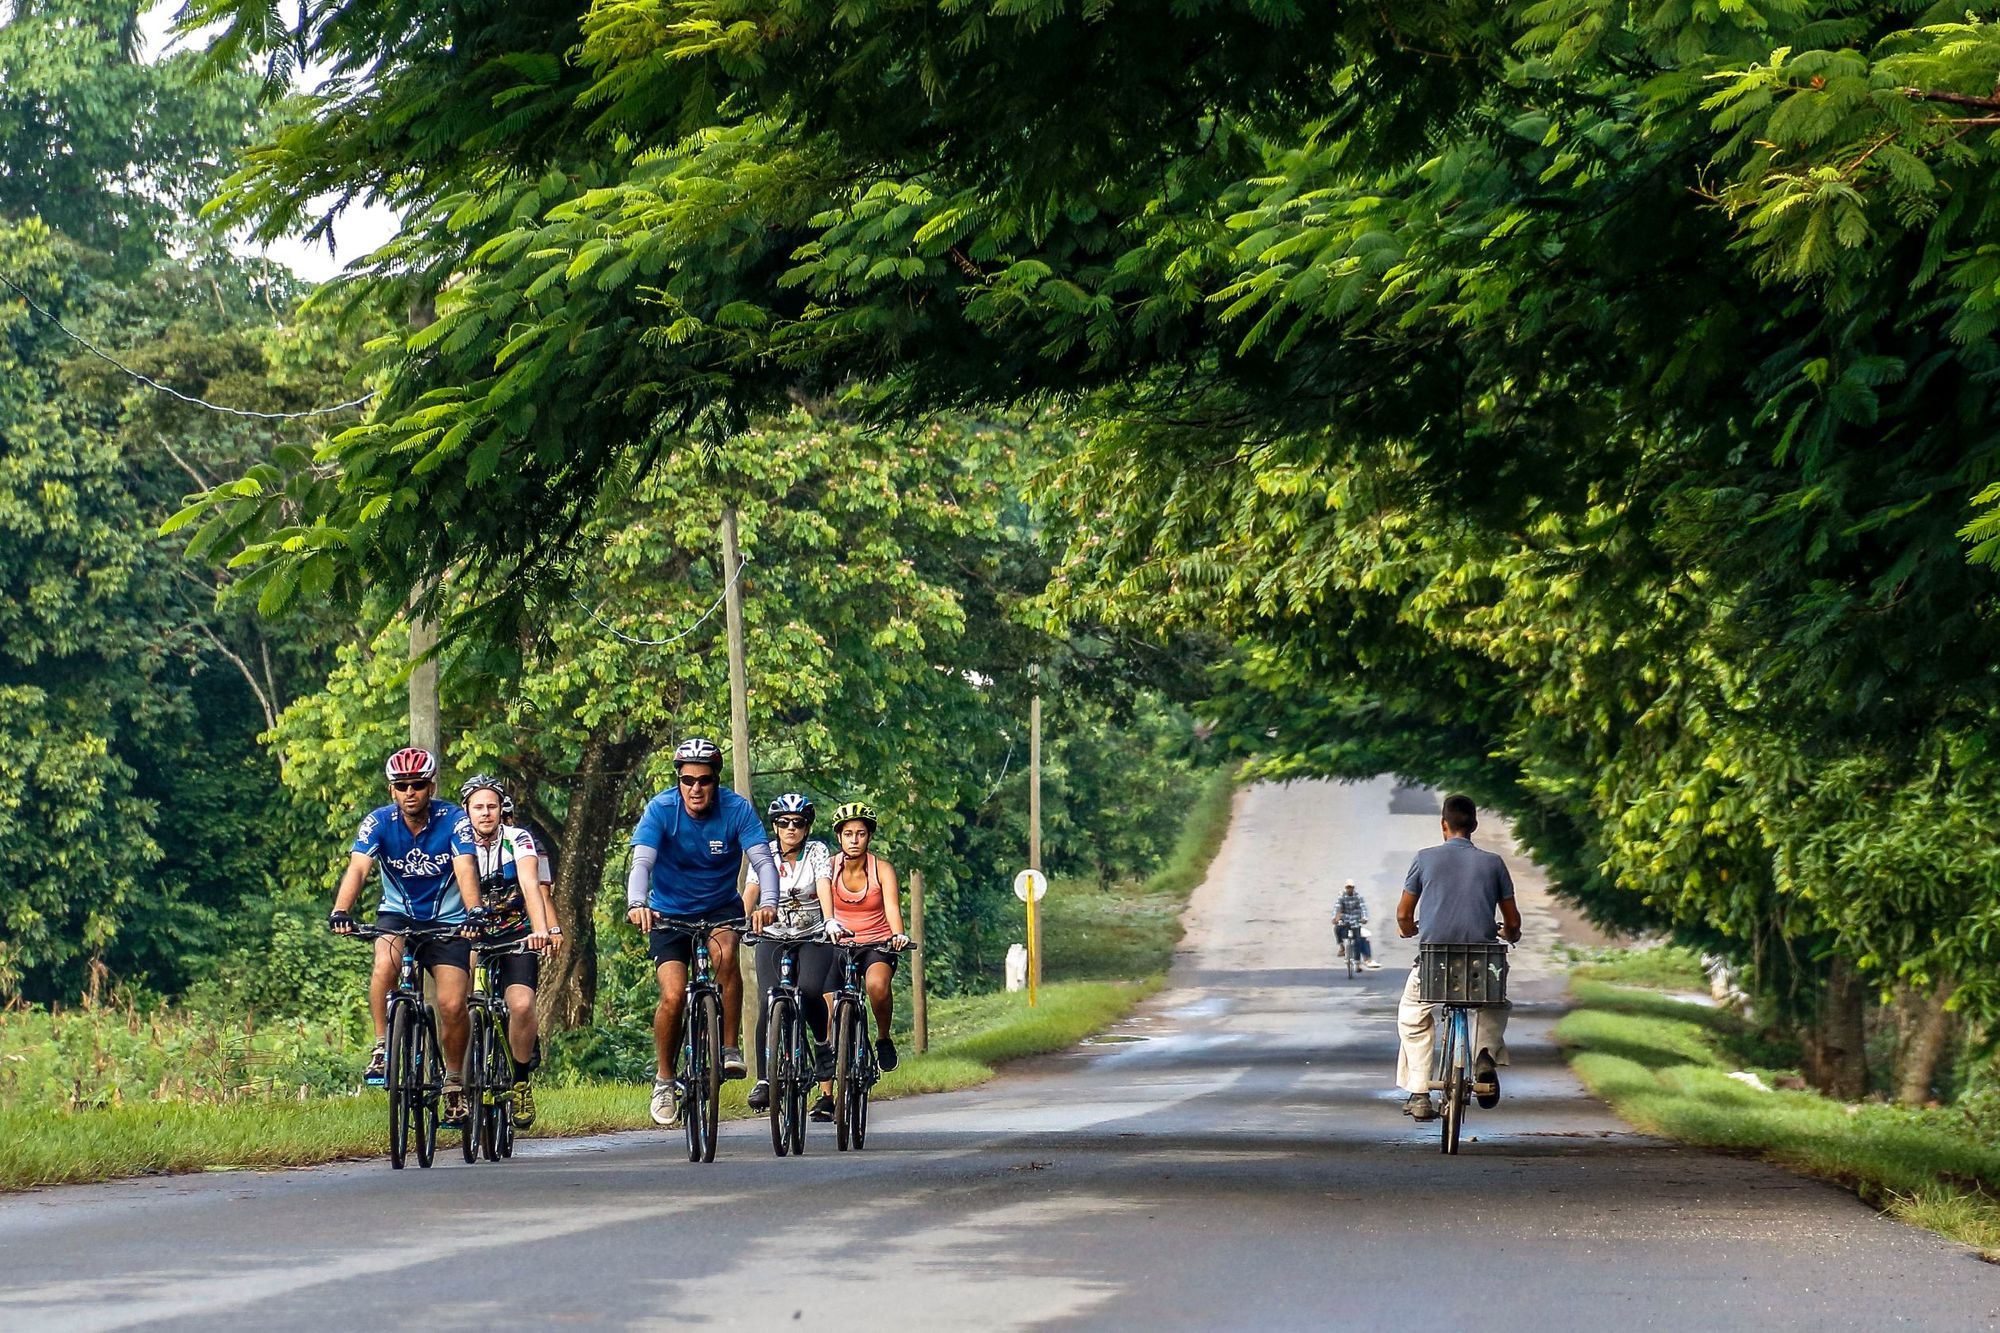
(867, 907)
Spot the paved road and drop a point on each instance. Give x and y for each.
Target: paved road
(1232, 1158)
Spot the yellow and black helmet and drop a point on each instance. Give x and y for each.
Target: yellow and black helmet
(860, 810)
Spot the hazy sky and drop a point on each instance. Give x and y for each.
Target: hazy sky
(360, 229)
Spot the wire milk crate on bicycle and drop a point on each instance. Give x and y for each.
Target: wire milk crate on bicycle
(1472, 975)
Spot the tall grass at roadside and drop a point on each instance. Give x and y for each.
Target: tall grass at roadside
(1664, 1065)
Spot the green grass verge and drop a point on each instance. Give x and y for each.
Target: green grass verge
(1664, 1064)
(1664, 967)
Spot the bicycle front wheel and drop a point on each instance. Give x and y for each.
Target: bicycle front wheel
(429, 1085)
(477, 1109)
(703, 1074)
(804, 1066)
(778, 1068)
(857, 1103)
(401, 1079)
(846, 1052)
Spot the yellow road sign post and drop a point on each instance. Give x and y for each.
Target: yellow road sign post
(1029, 886)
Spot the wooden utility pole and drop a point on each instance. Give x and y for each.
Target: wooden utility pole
(739, 737)
(426, 729)
(1034, 817)
(920, 1021)
(739, 678)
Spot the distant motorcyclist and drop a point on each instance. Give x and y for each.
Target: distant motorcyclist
(1350, 921)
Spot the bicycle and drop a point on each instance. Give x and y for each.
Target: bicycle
(701, 1038)
(489, 1061)
(854, 1068)
(789, 1055)
(415, 1079)
(1456, 980)
(1349, 937)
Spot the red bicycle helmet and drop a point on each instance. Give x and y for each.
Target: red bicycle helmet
(412, 762)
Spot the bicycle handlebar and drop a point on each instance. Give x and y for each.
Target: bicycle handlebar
(425, 931)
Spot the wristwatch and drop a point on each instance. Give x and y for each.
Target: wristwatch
(555, 931)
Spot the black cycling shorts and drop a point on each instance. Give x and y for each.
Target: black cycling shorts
(518, 969)
(868, 959)
(441, 951)
(677, 946)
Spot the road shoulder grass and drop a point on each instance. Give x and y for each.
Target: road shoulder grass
(1664, 1064)
(1116, 945)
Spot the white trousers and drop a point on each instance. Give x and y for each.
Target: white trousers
(1417, 1023)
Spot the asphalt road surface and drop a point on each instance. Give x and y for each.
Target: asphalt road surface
(1234, 1157)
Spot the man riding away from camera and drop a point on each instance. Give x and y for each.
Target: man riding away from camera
(1459, 887)
(686, 855)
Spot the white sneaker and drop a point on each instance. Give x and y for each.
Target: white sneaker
(1372, 965)
(666, 1103)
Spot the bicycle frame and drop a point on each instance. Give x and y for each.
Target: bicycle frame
(489, 1076)
(701, 1035)
(790, 1056)
(412, 1104)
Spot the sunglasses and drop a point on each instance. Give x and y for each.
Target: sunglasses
(418, 785)
(792, 821)
(697, 783)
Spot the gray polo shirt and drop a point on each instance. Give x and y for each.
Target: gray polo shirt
(1458, 889)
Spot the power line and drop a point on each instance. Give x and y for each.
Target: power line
(168, 389)
(662, 643)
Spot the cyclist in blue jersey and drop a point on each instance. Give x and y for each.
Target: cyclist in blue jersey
(425, 850)
(686, 856)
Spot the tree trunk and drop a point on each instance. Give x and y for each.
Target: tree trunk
(1926, 1035)
(1836, 1051)
(568, 994)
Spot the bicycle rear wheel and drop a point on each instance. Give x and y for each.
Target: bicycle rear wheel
(778, 1068)
(400, 1079)
(846, 1040)
(430, 1083)
(1454, 1083)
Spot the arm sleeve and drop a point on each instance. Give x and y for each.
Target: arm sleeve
(765, 867)
(822, 864)
(461, 837)
(368, 841)
(1413, 882)
(1506, 881)
(639, 882)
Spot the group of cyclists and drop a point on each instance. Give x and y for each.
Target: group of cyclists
(469, 865)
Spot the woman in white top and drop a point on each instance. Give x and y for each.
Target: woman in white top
(805, 905)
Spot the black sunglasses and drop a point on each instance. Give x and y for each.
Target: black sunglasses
(687, 781)
(792, 821)
(416, 785)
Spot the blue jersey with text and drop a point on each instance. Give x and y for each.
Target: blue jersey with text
(700, 859)
(416, 871)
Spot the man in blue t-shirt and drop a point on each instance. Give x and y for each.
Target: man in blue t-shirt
(1459, 887)
(425, 850)
(687, 854)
